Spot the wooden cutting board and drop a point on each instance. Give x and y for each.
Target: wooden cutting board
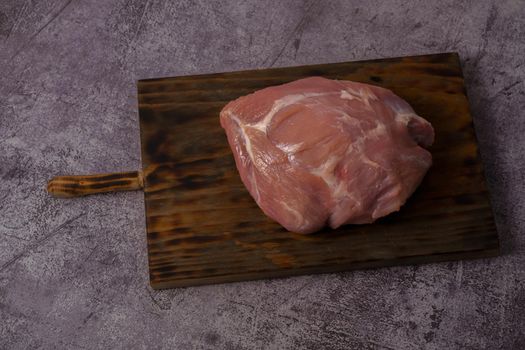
(203, 227)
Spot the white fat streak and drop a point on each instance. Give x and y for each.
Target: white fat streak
(365, 159)
(345, 95)
(368, 95)
(289, 148)
(284, 102)
(246, 138)
(297, 215)
(248, 146)
(399, 107)
(338, 188)
(340, 191)
(326, 171)
(347, 117)
(357, 145)
(379, 130)
(405, 117)
(363, 94)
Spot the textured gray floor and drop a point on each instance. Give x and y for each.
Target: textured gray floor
(73, 274)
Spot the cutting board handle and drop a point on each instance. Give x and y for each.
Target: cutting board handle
(83, 185)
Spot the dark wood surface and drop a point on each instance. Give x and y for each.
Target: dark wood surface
(203, 226)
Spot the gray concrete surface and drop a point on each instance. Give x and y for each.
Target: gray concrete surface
(73, 274)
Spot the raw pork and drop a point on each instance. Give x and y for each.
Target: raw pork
(318, 152)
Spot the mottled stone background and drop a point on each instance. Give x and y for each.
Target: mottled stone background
(73, 273)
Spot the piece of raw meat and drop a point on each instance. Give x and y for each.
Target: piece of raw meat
(318, 152)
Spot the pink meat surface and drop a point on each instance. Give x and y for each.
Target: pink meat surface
(317, 152)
